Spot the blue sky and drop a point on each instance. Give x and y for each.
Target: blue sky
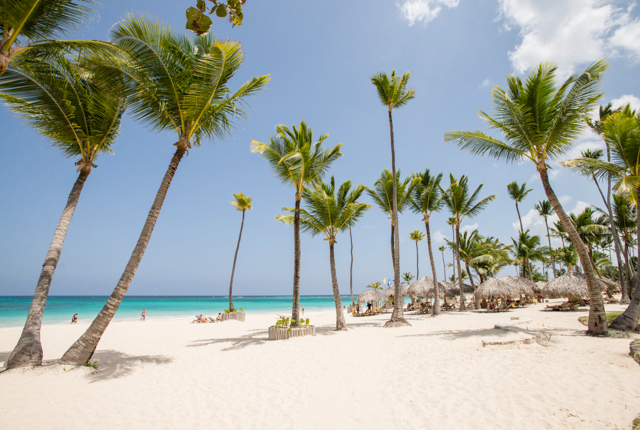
(320, 56)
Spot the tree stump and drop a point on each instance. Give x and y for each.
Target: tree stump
(277, 333)
(238, 316)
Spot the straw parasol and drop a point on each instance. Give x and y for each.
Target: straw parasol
(453, 291)
(390, 291)
(539, 286)
(571, 284)
(371, 296)
(522, 285)
(494, 288)
(423, 287)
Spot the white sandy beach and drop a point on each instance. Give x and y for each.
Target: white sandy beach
(170, 374)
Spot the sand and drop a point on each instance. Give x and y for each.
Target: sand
(169, 374)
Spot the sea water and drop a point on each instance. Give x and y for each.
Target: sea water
(60, 309)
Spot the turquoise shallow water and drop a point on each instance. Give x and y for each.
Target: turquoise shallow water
(60, 309)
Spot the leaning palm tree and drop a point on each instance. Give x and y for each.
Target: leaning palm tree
(540, 120)
(394, 93)
(80, 116)
(425, 200)
(622, 133)
(328, 213)
(417, 236)
(382, 195)
(299, 160)
(462, 205)
(243, 204)
(182, 86)
(29, 28)
(518, 193)
(545, 210)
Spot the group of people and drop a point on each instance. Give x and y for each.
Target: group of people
(203, 319)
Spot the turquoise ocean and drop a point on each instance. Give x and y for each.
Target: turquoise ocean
(60, 309)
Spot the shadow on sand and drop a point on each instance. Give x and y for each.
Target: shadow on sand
(116, 364)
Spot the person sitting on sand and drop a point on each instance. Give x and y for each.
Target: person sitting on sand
(202, 319)
(219, 317)
(74, 318)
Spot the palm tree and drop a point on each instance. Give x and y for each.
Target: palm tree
(624, 213)
(588, 172)
(545, 210)
(518, 193)
(469, 246)
(462, 205)
(182, 86)
(353, 303)
(329, 213)
(492, 256)
(444, 267)
(299, 160)
(540, 120)
(589, 229)
(427, 199)
(242, 204)
(80, 116)
(417, 235)
(526, 249)
(568, 256)
(382, 195)
(407, 277)
(40, 22)
(393, 94)
(375, 286)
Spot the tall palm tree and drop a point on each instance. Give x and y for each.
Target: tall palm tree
(540, 120)
(444, 267)
(243, 204)
(469, 245)
(568, 256)
(382, 195)
(417, 235)
(328, 213)
(589, 229)
(182, 86)
(462, 204)
(394, 93)
(39, 22)
(622, 133)
(353, 303)
(527, 249)
(545, 210)
(81, 117)
(299, 160)
(587, 172)
(375, 286)
(426, 199)
(624, 213)
(492, 256)
(518, 193)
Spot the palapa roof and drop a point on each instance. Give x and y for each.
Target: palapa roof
(494, 288)
(453, 290)
(390, 291)
(371, 296)
(539, 286)
(523, 285)
(424, 287)
(563, 286)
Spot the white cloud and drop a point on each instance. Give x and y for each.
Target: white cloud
(625, 100)
(587, 141)
(423, 10)
(533, 222)
(571, 33)
(485, 83)
(565, 199)
(439, 237)
(469, 228)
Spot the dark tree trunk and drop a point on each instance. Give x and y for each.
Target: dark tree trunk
(353, 303)
(463, 307)
(233, 270)
(340, 322)
(597, 317)
(295, 311)
(397, 317)
(82, 350)
(393, 246)
(436, 287)
(28, 351)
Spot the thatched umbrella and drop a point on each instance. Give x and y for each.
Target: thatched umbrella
(390, 291)
(371, 296)
(453, 290)
(494, 288)
(539, 286)
(571, 284)
(522, 285)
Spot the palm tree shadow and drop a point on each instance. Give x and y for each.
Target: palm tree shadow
(257, 338)
(115, 364)
(461, 334)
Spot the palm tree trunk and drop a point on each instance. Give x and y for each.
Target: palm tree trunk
(463, 307)
(436, 288)
(444, 267)
(353, 303)
(295, 311)
(628, 320)
(393, 247)
(519, 219)
(82, 350)
(553, 260)
(627, 264)
(473, 285)
(597, 317)
(28, 351)
(417, 262)
(397, 317)
(340, 322)
(233, 270)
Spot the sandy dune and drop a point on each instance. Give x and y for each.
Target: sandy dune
(168, 374)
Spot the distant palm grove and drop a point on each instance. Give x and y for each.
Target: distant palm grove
(75, 93)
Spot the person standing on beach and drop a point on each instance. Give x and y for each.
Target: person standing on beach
(303, 310)
(74, 318)
(143, 317)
